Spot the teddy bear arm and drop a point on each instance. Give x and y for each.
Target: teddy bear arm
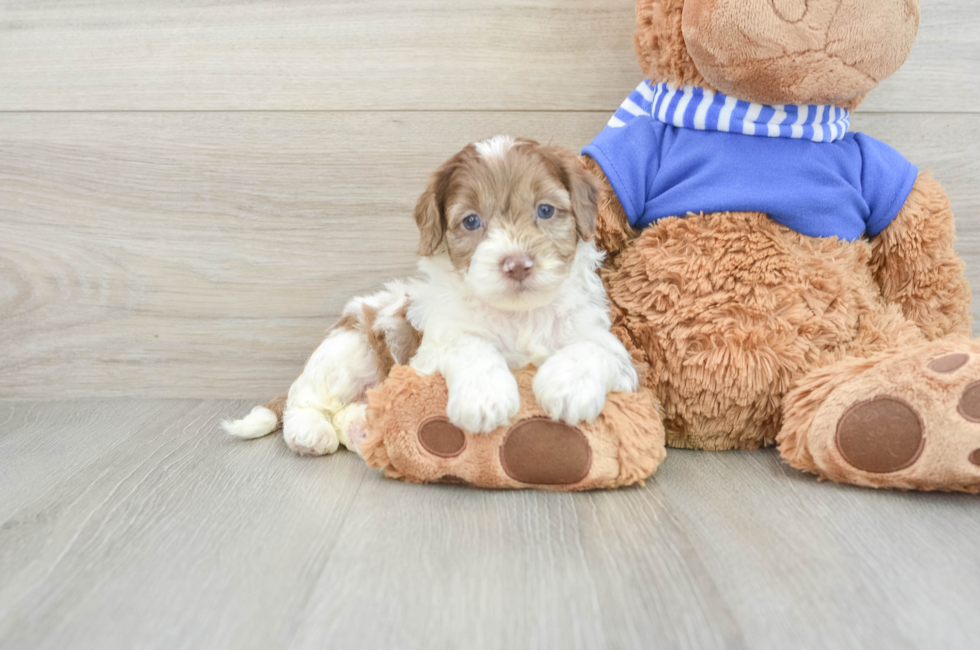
(916, 266)
(613, 230)
(410, 437)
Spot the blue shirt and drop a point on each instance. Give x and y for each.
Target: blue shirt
(847, 187)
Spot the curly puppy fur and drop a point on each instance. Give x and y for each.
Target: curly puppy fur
(507, 278)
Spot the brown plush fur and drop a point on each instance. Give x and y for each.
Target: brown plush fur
(659, 44)
(777, 53)
(916, 267)
(747, 329)
(798, 51)
(808, 439)
(615, 232)
(729, 310)
(750, 333)
(627, 438)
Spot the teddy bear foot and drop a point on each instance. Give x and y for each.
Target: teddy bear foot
(535, 451)
(908, 420)
(410, 438)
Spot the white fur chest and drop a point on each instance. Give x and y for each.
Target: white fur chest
(526, 337)
(442, 309)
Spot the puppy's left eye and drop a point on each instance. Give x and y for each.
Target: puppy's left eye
(546, 211)
(472, 222)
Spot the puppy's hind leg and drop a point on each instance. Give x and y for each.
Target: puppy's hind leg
(307, 431)
(323, 402)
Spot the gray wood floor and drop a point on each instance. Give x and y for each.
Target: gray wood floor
(130, 523)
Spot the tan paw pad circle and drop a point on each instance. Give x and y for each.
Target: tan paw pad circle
(969, 406)
(949, 363)
(880, 435)
(541, 451)
(441, 438)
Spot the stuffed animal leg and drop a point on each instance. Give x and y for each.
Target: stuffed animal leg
(410, 438)
(908, 418)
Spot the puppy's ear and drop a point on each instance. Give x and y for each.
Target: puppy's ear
(585, 197)
(429, 219)
(583, 189)
(430, 209)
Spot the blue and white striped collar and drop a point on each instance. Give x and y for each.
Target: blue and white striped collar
(696, 108)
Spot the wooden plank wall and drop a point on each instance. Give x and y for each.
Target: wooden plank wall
(189, 191)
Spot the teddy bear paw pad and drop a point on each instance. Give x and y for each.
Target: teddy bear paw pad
(949, 363)
(911, 420)
(540, 451)
(969, 405)
(440, 437)
(880, 435)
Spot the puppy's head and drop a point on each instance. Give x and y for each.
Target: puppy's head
(509, 214)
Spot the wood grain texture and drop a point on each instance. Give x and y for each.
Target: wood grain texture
(173, 538)
(204, 254)
(384, 55)
(347, 55)
(550, 572)
(40, 446)
(808, 564)
(167, 534)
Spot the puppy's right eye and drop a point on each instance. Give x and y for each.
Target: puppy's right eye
(472, 222)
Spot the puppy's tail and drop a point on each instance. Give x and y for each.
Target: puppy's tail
(261, 421)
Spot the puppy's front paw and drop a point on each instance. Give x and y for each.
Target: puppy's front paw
(481, 403)
(306, 431)
(568, 390)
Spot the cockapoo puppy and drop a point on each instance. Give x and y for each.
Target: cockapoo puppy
(507, 277)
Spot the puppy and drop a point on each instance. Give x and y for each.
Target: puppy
(507, 277)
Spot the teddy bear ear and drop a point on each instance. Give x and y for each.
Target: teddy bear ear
(430, 209)
(659, 43)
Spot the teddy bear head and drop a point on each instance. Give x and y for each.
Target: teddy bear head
(776, 51)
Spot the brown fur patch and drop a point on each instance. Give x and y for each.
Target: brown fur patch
(416, 342)
(505, 192)
(376, 339)
(582, 187)
(277, 406)
(430, 209)
(348, 321)
(415, 336)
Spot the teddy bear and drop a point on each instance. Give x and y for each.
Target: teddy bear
(777, 278)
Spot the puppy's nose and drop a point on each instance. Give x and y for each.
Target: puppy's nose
(517, 266)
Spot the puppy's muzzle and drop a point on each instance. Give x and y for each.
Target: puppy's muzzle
(517, 266)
